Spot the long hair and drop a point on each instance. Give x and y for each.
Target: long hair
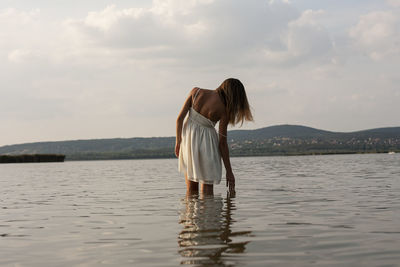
(234, 97)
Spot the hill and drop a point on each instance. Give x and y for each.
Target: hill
(273, 140)
(289, 131)
(301, 140)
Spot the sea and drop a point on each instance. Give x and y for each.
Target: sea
(333, 210)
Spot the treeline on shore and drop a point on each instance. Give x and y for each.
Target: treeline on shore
(255, 149)
(234, 153)
(136, 154)
(279, 140)
(25, 158)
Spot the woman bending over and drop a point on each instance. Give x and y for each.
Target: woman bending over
(198, 145)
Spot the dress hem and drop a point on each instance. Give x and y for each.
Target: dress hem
(200, 180)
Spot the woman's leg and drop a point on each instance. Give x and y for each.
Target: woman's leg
(207, 189)
(191, 187)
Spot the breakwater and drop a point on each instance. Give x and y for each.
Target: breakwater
(29, 158)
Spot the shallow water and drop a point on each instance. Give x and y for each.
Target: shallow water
(302, 211)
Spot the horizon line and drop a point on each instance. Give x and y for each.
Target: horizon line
(143, 137)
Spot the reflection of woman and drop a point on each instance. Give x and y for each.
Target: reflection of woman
(206, 234)
(198, 145)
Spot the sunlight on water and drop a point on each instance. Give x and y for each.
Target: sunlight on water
(302, 211)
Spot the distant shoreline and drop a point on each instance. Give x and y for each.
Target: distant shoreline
(103, 157)
(42, 158)
(279, 140)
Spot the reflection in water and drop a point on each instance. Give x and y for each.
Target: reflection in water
(206, 238)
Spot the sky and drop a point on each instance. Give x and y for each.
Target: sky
(106, 69)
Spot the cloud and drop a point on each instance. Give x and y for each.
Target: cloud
(10, 16)
(16, 25)
(304, 39)
(108, 17)
(393, 3)
(18, 55)
(377, 34)
(158, 26)
(172, 32)
(113, 69)
(272, 2)
(204, 31)
(26, 38)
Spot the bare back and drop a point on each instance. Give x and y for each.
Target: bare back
(209, 104)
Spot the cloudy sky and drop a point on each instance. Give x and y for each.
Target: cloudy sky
(105, 69)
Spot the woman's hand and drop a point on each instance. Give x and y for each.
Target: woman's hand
(230, 181)
(177, 147)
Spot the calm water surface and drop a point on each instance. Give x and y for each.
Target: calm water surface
(288, 211)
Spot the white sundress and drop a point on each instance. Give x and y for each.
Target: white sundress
(199, 155)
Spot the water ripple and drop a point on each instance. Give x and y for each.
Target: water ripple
(288, 211)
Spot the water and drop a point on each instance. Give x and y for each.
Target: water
(288, 211)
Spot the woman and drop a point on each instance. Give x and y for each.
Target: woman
(198, 145)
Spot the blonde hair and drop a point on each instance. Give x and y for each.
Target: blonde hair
(234, 97)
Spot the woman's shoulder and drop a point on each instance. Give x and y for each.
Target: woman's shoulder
(194, 90)
(197, 91)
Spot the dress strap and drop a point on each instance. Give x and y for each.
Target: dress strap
(194, 98)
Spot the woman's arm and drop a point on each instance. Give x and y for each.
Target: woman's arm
(224, 150)
(179, 121)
